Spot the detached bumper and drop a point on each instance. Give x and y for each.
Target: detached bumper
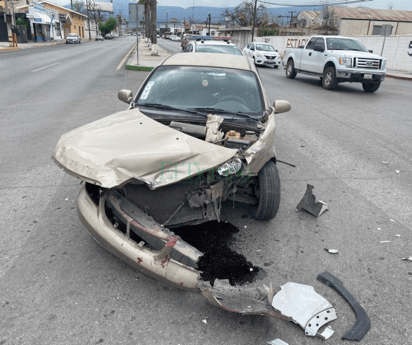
(361, 76)
(156, 264)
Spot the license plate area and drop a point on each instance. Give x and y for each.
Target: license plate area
(368, 76)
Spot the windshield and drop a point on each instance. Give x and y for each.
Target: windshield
(220, 49)
(345, 44)
(265, 47)
(71, 35)
(185, 87)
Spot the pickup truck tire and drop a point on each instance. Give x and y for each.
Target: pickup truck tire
(268, 192)
(290, 70)
(371, 87)
(329, 81)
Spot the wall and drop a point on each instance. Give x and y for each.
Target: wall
(395, 51)
(78, 21)
(353, 27)
(240, 37)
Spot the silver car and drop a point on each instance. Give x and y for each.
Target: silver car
(73, 38)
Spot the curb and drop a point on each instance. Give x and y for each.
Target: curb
(139, 68)
(398, 77)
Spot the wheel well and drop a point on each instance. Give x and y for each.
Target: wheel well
(329, 64)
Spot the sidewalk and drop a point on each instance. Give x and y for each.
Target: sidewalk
(5, 46)
(146, 61)
(403, 75)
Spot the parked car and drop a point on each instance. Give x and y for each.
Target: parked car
(73, 38)
(115, 36)
(199, 133)
(221, 46)
(263, 54)
(108, 36)
(336, 60)
(99, 38)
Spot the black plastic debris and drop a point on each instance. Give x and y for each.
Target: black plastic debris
(310, 204)
(363, 324)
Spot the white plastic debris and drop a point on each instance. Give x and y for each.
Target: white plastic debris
(397, 171)
(332, 251)
(385, 162)
(392, 220)
(277, 342)
(385, 241)
(205, 320)
(379, 228)
(408, 259)
(398, 235)
(327, 333)
(67, 199)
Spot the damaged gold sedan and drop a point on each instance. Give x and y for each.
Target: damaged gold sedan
(199, 132)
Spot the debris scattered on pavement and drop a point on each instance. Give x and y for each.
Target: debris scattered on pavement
(385, 241)
(278, 160)
(397, 171)
(327, 333)
(379, 228)
(306, 308)
(332, 251)
(67, 199)
(277, 342)
(363, 324)
(408, 259)
(392, 220)
(398, 235)
(205, 320)
(385, 162)
(310, 204)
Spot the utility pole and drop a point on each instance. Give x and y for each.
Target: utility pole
(291, 17)
(137, 34)
(167, 19)
(88, 19)
(193, 12)
(254, 20)
(71, 4)
(210, 19)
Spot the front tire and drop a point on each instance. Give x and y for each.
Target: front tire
(371, 87)
(329, 81)
(268, 192)
(290, 70)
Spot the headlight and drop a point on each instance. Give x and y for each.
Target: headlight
(259, 55)
(345, 61)
(383, 63)
(230, 167)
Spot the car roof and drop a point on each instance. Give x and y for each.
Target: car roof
(215, 43)
(207, 59)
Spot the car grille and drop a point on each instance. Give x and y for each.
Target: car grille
(269, 57)
(368, 63)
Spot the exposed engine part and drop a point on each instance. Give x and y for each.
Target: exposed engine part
(213, 134)
(188, 128)
(237, 143)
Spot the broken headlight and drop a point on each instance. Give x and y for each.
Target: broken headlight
(230, 167)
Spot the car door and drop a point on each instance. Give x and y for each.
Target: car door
(306, 62)
(318, 55)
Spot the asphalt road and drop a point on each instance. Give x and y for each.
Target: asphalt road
(58, 286)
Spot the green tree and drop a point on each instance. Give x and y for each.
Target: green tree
(108, 26)
(22, 21)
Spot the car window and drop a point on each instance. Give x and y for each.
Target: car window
(265, 47)
(187, 87)
(71, 35)
(320, 43)
(220, 49)
(345, 44)
(311, 43)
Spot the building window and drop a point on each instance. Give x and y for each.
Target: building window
(378, 30)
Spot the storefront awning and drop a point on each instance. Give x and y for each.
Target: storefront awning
(40, 18)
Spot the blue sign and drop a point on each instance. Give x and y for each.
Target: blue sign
(38, 20)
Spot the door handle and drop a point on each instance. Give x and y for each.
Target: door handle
(310, 54)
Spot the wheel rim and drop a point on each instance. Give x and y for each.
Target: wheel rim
(328, 78)
(289, 68)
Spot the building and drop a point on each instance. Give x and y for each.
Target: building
(51, 21)
(305, 18)
(357, 21)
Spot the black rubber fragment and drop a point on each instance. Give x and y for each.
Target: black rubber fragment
(363, 324)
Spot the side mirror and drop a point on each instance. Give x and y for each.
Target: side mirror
(319, 49)
(371, 51)
(125, 96)
(281, 106)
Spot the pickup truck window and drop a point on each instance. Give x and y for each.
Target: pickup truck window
(320, 43)
(311, 43)
(345, 44)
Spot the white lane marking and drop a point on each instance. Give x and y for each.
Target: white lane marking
(45, 67)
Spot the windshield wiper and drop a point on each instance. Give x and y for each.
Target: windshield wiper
(168, 107)
(222, 111)
(357, 50)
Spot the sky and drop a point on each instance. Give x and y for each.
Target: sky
(397, 4)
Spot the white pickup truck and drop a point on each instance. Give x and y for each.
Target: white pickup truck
(336, 60)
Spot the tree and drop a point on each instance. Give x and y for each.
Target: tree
(243, 14)
(108, 26)
(78, 6)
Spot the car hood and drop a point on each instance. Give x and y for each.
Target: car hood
(352, 54)
(129, 145)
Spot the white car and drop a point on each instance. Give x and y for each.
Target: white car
(262, 54)
(221, 46)
(73, 38)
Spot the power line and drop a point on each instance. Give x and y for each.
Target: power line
(319, 3)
